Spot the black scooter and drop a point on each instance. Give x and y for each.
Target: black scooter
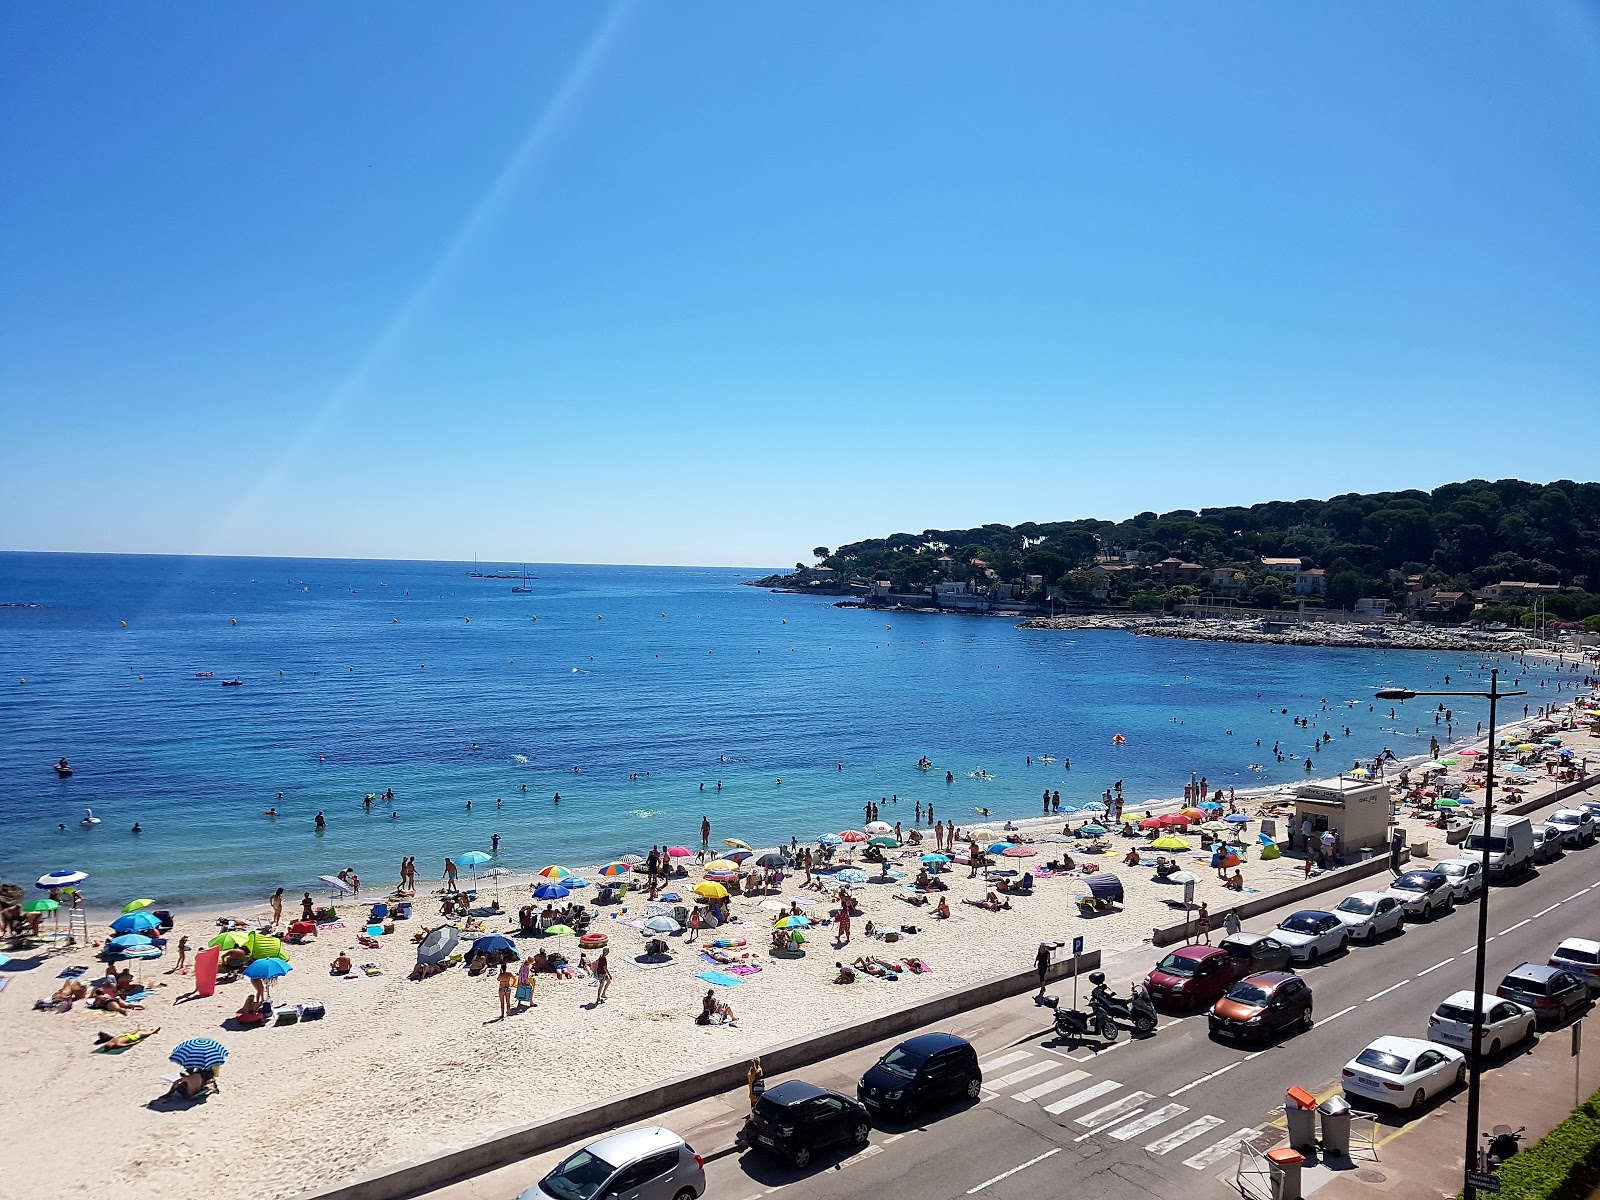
(1113, 1012)
(1502, 1145)
(1074, 1023)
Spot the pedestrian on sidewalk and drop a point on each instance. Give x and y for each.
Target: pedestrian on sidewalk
(756, 1081)
(1041, 964)
(1203, 923)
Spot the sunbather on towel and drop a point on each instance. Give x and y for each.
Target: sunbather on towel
(121, 1041)
(873, 967)
(992, 902)
(63, 998)
(911, 899)
(342, 964)
(106, 998)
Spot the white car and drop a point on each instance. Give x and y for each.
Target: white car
(1581, 956)
(1403, 1072)
(1576, 825)
(1465, 876)
(1312, 934)
(1422, 894)
(1505, 1022)
(1547, 843)
(1368, 914)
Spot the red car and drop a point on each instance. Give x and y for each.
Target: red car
(1193, 976)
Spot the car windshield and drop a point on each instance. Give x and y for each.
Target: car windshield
(902, 1062)
(579, 1178)
(1413, 883)
(1576, 954)
(1174, 964)
(1450, 869)
(1357, 905)
(1522, 984)
(1300, 923)
(1496, 844)
(1454, 1012)
(1382, 1060)
(1249, 993)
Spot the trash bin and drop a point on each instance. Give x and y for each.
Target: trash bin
(1283, 1171)
(1335, 1116)
(1300, 1106)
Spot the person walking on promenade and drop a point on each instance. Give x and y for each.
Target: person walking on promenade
(1041, 964)
(755, 1080)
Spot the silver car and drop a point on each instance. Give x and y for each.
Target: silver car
(1465, 876)
(1546, 843)
(1312, 934)
(1575, 825)
(1368, 915)
(642, 1164)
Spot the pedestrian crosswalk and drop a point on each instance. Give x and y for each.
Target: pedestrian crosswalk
(1104, 1108)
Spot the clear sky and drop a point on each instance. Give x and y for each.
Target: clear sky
(717, 282)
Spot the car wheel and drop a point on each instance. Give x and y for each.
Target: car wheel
(1420, 1098)
(1311, 957)
(1494, 1047)
(686, 1194)
(802, 1157)
(974, 1088)
(1307, 1021)
(1461, 1072)
(862, 1133)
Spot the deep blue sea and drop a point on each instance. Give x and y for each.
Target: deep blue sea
(364, 676)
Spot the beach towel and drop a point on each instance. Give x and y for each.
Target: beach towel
(744, 969)
(136, 997)
(718, 978)
(3, 983)
(69, 973)
(650, 962)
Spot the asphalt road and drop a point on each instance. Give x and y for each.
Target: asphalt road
(1162, 1116)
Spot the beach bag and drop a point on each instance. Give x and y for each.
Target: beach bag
(312, 1010)
(286, 1016)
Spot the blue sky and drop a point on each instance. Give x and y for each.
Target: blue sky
(714, 283)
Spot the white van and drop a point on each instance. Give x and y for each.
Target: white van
(1510, 844)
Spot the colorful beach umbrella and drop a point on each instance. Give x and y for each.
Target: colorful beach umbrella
(1194, 814)
(1150, 823)
(558, 931)
(613, 870)
(851, 875)
(230, 941)
(739, 856)
(264, 945)
(998, 847)
(493, 943)
(1018, 852)
(136, 905)
(1092, 830)
(722, 864)
(633, 860)
(793, 922)
(852, 835)
(131, 941)
(736, 843)
(472, 858)
(199, 1054)
(267, 968)
(878, 827)
(679, 852)
(1238, 819)
(885, 843)
(1215, 826)
(43, 904)
(555, 872)
(933, 859)
(60, 879)
(1173, 820)
(829, 839)
(438, 945)
(772, 860)
(137, 922)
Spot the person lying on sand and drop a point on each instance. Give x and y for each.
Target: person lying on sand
(911, 899)
(992, 902)
(342, 965)
(425, 970)
(121, 1041)
(107, 999)
(873, 967)
(63, 998)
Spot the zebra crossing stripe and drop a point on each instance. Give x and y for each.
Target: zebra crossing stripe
(1108, 1113)
(1219, 1150)
(1017, 1076)
(1149, 1121)
(994, 1064)
(1187, 1133)
(1051, 1085)
(1083, 1097)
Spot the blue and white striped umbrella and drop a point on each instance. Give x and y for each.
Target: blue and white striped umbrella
(136, 922)
(199, 1054)
(58, 879)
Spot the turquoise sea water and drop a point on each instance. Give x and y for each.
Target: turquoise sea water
(362, 676)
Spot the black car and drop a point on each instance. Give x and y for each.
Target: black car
(796, 1119)
(921, 1073)
(1552, 993)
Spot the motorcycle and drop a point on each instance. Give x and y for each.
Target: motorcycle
(1114, 1012)
(1502, 1145)
(1076, 1024)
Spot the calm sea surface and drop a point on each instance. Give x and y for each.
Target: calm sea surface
(363, 676)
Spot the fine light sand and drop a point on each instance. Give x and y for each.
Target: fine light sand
(399, 1069)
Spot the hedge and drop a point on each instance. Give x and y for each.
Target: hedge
(1562, 1165)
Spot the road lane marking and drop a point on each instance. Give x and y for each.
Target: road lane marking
(1119, 1111)
(1053, 1085)
(994, 1064)
(1575, 895)
(892, 1139)
(1335, 1017)
(1218, 1151)
(1437, 965)
(1021, 1073)
(1206, 1078)
(1542, 911)
(1171, 1023)
(1518, 925)
(1013, 1171)
(1149, 1121)
(1385, 991)
(1187, 1133)
(1083, 1097)
(866, 1152)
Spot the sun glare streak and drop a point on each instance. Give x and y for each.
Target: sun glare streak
(545, 125)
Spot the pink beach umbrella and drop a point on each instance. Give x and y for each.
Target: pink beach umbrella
(679, 852)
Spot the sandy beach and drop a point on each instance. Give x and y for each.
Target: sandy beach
(399, 1068)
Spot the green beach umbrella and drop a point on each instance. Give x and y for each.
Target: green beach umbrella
(41, 906)
(887, 842)
(230, 941)
(136, 905)
(560, 930)
(1447, 803)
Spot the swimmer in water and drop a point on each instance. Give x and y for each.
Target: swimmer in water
(137, 828)
(271, 812)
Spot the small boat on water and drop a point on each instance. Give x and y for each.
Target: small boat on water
(204, 674)
(523, 586)
(233, 683)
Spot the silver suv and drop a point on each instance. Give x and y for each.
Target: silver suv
(642, 1164)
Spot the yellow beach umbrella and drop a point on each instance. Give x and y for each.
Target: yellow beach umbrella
(722, 864)
(710, 891)
(736, 844)
(136, 905)
(984, 834)
(1169, 842)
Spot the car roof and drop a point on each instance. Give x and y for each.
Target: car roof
(622, 1148)
(1197, 953)
(1365, 896)
(1245, 937)
(1528, 970)
(1458, 862)
(1306, 912)
(1585, 944)
(1463, 999)
(1406, 1046)
(794, 1091)
(1269, 979)
(1570, 814)
(1421, 875)
(932, 1043)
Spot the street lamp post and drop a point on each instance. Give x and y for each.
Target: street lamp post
(1474, 1056)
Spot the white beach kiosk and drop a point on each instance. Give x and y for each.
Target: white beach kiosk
(1356, 810)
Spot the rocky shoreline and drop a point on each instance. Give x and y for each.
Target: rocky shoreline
(1403, 637)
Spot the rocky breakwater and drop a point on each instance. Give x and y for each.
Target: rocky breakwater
(1310, 633)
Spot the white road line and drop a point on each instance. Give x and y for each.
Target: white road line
(1542, 911)
(866, 1152)
(1218, 1151)
(1109, 1114)
(1013, 1171)
(1437, 965)
(1518, 925)
(1053, 1085)
(892, 1139)
(995, 1064)
(1149, 1121)
(1187, 1133)
(1100, 1053)
(1205, 1078)
(1335, 1017)
(1575, 895)
(1083, 1097)
(1385, 991)
(1021, 1073)
(1256, 1053)
(1171, 1023)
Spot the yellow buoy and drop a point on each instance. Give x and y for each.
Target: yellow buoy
(888, 626)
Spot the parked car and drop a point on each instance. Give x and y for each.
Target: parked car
(1576, 825)
(1547, 843)
(1311, 934)
(796, 1119)
(1403, 1072)
(1465, 876)
(921, 1073)
(1582, 957)
(1192, 977)
(1509, 840)
(652, 1163)
(1253, 952)
(1423, 894)
(1552, 993)
(1262, 1005)
(1505, 1022)
(1367, 915)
